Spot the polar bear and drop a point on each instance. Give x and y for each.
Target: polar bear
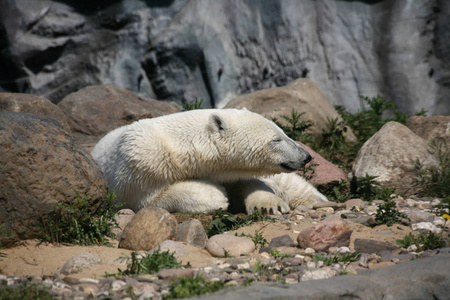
(200, 160)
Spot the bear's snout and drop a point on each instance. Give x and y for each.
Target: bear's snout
(308, 158)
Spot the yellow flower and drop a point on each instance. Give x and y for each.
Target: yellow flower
(446, 216)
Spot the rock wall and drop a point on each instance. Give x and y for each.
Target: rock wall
(179, 50)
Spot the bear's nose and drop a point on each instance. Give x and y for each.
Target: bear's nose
(308, 158)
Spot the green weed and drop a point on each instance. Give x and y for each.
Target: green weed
(223, 221)
(338, 257)
(296, 128)
(443, 207)
(423, 241)
(190, 286)
(26, 290)
(194, 104)
(83, 222)
(277, 254)
(387, 214)
(148, 264)
(435, 181)
(258, 238)
(365, 188)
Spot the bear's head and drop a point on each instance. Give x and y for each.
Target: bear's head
(253, 145)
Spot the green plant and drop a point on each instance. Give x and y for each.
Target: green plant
(223, 221)
(148, 264)
(338, 257)
(194, 104)
(258, 238)
(26, 290)
(434, 181)
(387, 214)
(366, 188)
(277, 254)
(190, 286)
(296, 128)
(423, 241)
(332, 142)
(83, 222)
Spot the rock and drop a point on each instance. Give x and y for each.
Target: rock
(325, 172)
(170, 274)
(281, 241)
(221, 49)
(325, 211)
(357, 203)
(96, 110)
(417, 216)
(193, 233)
(426, 278)
(235, 246)
(390, 154)
(149, 227)
(172, 247)
(40, 166)
(80, 262)
(122, 217)
(430, 128)
(317, 274)
(25, 103)
(325, 234)
(329, 204)
(425, 227)
(275, 102)
(372, 246)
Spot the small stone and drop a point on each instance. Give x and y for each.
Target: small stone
(329, 204)
(122, 217)
(357, 204)
(412, 248)
(169, 274)
(317, 274)
(310, 250)
(296, 218)
(325, 234)
(149, 227)
(171, 246)
(193, 233)
(281, 241)
(264, 255)
(372, 246)
(371, 210)
(117, 285)
(325, 210)
(80, 262)
(234, 245)
(417, 216)
(89, 280)
(425, 227)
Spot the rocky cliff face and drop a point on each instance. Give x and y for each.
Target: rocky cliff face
(179, 50)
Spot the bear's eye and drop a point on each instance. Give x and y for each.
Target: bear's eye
(276, 139)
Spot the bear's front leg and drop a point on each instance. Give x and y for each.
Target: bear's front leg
(193, 196)
(254, 195)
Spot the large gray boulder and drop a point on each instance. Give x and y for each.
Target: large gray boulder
(40, 166)
(390, 154)
(178, 50)
(424, 279)
(94, 111)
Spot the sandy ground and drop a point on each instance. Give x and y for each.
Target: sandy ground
(33, 259)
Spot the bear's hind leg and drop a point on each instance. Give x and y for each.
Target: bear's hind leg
(294, 189)
(193, 196)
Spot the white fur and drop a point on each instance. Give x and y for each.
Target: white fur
(181, 162)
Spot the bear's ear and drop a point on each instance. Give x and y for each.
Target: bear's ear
(217, 123)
